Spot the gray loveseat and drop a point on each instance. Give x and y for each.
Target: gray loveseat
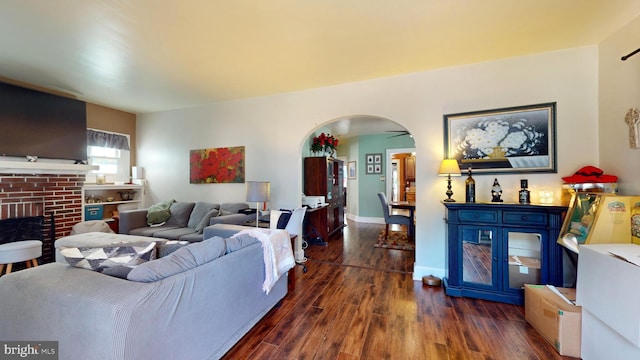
(199, 312)
(186, 222)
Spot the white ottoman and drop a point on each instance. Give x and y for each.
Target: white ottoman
(19, 251)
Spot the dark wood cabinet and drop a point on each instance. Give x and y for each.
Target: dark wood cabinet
(410, 168)
(324, 176)
(494, 249)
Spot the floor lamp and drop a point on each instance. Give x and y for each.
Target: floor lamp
(449, 168)
(258, 191)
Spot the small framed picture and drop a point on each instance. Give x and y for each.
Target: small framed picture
(369, 159)
(351, 170)
(374, 163)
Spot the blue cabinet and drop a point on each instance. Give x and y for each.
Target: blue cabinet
(494, 249)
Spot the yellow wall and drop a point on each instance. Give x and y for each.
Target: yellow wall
(104, 118)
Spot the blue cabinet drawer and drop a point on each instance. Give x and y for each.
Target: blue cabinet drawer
(478, 216)
(524, 218)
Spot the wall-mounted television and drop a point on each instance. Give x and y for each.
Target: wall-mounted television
(34, 123)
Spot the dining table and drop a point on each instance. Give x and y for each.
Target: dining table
(407, 205)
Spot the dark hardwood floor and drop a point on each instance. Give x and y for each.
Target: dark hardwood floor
(360, 302)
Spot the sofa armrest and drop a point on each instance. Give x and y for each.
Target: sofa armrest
(235, 219)
(132, 219)
(223, 230)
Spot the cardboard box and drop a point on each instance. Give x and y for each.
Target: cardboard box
(557, 321)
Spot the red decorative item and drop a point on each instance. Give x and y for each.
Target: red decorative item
(324, 142)
(589, 174)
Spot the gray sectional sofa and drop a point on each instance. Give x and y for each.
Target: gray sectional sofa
(193, 306)
(186, 222)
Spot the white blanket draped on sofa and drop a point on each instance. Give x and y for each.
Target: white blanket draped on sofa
(278, 255)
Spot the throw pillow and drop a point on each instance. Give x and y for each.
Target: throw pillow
(159, 213)
(181, 260)
(180, 212)
(119, 271)
(204, 222)
(199, 211)
(100, 258)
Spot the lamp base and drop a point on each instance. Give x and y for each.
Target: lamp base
(449, 191)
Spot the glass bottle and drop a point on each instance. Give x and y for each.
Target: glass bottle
(524, 195)
(470, 188)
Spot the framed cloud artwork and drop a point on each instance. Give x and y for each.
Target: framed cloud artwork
(509, 140)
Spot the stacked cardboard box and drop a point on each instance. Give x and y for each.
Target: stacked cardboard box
(556, 320)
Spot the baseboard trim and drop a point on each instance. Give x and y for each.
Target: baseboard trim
(367, 220)
(420, 271)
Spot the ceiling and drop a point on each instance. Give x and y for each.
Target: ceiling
(154, 55)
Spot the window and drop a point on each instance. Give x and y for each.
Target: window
(113, 162)
(106, 158)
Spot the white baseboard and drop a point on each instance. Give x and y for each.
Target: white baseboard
(420, 271)
(367, 220)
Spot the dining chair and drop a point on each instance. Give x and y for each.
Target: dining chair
(393, 219)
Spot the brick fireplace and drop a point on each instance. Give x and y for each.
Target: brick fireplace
(57, 197)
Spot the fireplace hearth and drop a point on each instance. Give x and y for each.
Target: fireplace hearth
(27, 228)
(56, 198)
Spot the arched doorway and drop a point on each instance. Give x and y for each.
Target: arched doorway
(359, 136)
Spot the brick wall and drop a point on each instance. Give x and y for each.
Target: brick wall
(45, 195)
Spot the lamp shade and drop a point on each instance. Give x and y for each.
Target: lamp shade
(449, 167)
(258, 191)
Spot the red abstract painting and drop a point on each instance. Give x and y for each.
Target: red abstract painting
(219, 165)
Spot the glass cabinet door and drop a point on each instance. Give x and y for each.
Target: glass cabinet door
(329, 180)
(478, 254)
(523, 258)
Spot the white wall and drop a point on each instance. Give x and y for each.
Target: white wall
(273, 129)
(619, 92)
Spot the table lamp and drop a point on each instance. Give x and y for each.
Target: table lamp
(258, 191)
(449, 168)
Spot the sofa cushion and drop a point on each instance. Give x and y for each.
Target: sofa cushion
(174, 234)
(239, 241)
(199, 211)
(181, 260)
(195, 237)
(150, 230)
(159, 213)
(180, 212)
(102, 257)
